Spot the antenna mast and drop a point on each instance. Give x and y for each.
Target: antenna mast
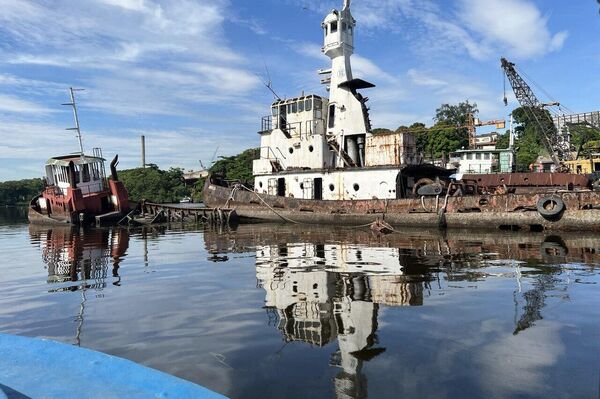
(76, 128)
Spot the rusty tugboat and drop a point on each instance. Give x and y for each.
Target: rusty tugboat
(320, 163)
(77, 190)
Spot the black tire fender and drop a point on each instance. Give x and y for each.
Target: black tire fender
(550, 206)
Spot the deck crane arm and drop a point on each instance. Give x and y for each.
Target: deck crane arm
(531, 104)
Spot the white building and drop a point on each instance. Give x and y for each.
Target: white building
(488, 160)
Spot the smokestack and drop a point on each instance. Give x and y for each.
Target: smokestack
(143, 151)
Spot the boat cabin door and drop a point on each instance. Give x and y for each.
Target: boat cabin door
(318, 188)
(281, 187)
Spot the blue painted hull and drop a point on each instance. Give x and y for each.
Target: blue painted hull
(37, 368)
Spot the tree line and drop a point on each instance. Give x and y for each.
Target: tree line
(19, 192)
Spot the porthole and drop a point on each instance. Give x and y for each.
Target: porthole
(311, 148)
(291, 150)
(301, 186)
(356, 187)
(331, 187)
(260, 184)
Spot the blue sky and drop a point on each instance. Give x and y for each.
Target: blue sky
(189, 73)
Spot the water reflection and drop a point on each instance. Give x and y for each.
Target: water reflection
(83, 256)
(331, 285)
(317, 293)
(401, 308)
(12, 215)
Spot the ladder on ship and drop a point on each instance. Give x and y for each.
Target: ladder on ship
(342, 154)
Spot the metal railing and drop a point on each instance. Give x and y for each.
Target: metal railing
(272, 156)
(295, 129)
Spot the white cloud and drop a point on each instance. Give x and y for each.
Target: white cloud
(481, 28)
(27, 146)
(514, 25)
(367, 69)
(421, 79)
(14, 104)
(132, 5)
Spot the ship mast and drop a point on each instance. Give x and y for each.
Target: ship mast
(76, 117)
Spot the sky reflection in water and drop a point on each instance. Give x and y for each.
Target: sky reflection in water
(284, 311)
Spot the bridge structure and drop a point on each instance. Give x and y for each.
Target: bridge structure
(591, 119)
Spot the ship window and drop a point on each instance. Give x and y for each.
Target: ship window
(478, 156)
(469, 156)
(343, 26)
(275, 111)
(486, 155)
(331, 187)
(318, 103)
(331, 122)
(96, 171)
(85, 173)
(311, 148)
(308, 104)
(301, 186)
(77, 178)
(289, 108)
(334, 27)
(301, 106)
(291, 150)
(260, 184)
(294, 107)
(356, 187)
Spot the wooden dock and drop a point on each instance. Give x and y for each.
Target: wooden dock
(153, 213)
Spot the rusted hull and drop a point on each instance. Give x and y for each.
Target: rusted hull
(36, 217)
(505, 211)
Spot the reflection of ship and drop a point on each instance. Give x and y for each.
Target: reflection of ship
(333, 283)
(82, 257)
(320, 292)
(78, 255)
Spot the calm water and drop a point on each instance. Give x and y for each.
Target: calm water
(269, 311)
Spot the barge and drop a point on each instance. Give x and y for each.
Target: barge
(320, 162)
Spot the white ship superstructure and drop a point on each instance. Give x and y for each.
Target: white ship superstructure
(323, 148)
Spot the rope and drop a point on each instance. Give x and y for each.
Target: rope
(295, 221)
(270, 207)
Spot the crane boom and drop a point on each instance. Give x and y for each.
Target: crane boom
(554, 142)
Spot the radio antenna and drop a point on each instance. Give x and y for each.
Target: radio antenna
(269, 83)
(76, 117)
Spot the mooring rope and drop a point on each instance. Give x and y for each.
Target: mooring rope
(291, 220)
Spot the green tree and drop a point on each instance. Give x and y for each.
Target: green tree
(237, 167)
(19, 192)
(155, 185)
(585, 139)
(503, 141)
(529, 143)
(455, 115)
(449, 133)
